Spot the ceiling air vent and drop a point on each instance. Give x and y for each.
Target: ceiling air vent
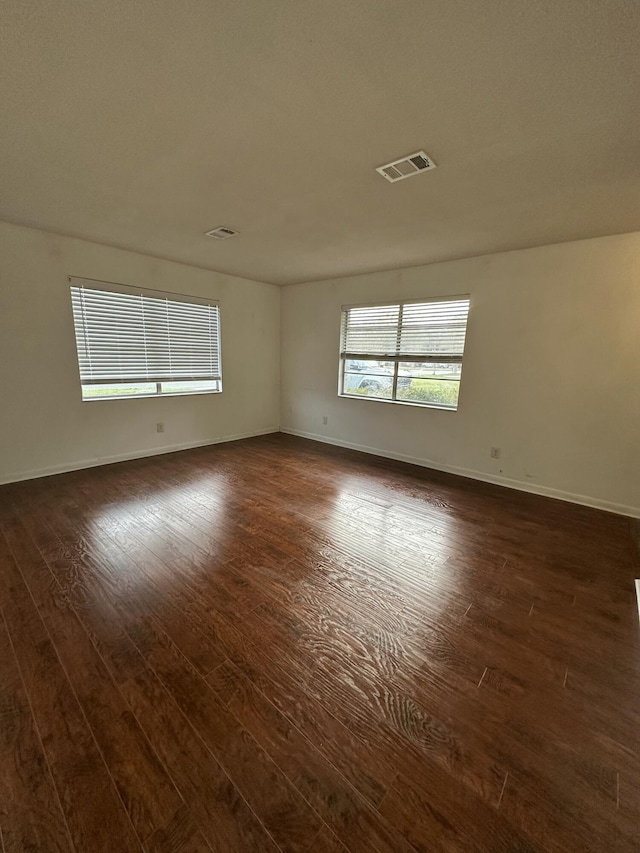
(221, 233)
(407, 167)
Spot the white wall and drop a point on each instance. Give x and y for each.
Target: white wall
(551, 371)
(45, 426)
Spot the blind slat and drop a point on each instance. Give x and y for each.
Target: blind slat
(141, 337)
(431, 329)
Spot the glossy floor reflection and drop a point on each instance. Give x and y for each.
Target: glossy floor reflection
(275, 645)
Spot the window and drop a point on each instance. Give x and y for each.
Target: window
(407, 352)
(143, 343)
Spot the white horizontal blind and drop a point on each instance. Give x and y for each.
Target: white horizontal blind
(131, 335)
(409, 331)
(371, 330)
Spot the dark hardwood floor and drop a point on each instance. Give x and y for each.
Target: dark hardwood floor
(273, 645)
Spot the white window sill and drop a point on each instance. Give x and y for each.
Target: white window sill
(147, 396)
(398, 402)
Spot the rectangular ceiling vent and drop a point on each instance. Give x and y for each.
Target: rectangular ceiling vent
(221, 233)
(406, 167)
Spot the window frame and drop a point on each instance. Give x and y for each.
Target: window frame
(398, 359)
(78, 282)
(150, 394)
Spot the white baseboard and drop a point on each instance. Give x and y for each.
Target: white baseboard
(507, 482)
(123, 457)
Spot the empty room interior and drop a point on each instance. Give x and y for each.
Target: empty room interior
(320, 426)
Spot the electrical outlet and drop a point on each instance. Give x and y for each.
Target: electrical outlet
(160, 427)
(495, 453)
(325, 420)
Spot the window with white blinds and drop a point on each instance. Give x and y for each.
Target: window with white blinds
(138, 343)
(405, 352)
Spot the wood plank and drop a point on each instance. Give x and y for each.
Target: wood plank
(148, 794)
(277, 803)
(437, 807)
(347, 814)
(77, 767)
(278, 645)
(326, 842)
(215, 804)
(31, 818)
(180, 836)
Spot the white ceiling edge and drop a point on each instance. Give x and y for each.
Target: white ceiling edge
(346, 275)
(120, 248)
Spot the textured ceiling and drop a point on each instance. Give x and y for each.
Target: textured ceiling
(143, 124)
